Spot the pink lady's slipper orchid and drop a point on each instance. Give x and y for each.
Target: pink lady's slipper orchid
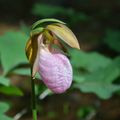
(51, 63)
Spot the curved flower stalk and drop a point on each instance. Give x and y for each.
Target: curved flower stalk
(52, 64)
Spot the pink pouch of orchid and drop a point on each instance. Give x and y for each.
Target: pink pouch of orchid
(55, 70)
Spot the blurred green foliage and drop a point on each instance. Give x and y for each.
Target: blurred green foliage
(46, 10)
(12, 45)
(85, 112)
(95, 73)
(4, 81)
(112, 39)
(11, 90)
(89, 61)
(100, 82)
(4, 108)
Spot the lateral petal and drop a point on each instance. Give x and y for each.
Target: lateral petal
(32, 52)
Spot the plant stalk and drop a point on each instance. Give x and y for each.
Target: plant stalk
(33, 98)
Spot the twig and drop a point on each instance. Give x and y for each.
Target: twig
(20, 114)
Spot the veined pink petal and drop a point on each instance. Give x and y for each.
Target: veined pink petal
(55, 70)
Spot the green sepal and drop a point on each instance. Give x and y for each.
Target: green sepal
(36, 24)
(36, 31)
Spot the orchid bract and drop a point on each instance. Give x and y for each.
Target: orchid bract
(51, 63)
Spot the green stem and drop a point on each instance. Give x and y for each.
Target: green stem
(33, 99)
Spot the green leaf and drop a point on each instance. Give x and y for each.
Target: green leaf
(11, 90)
(89, 61)
(104, 91)
(4, 81)
(4, 117)
(3, 107)
(113, 39)
(78, 77)
(117, 62)
(100, 82)
(49, 20)
(12, 45)
(22, 71)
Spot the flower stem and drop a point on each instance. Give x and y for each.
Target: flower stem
(33, 99)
